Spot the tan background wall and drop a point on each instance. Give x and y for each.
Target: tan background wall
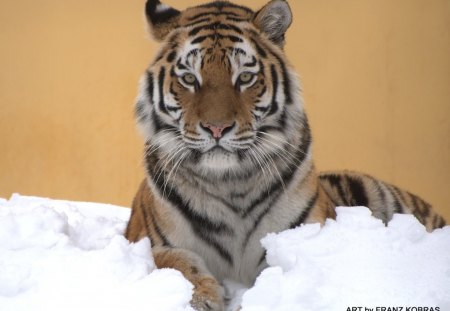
(376, 79)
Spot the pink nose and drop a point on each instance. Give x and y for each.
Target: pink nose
(216, 130)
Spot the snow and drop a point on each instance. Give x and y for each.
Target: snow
(354, 261)
(59, 255)
(72, 255)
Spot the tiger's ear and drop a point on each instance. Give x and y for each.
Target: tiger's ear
(273, 20)
(161, 18)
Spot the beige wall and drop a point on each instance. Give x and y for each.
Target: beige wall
(376, 79)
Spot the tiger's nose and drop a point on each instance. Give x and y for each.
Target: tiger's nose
(217, 131)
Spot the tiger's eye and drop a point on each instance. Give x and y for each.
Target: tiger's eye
(189, 78)
(245, 77)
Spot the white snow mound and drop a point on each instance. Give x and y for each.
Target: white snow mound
(61, 255)
(355, 261)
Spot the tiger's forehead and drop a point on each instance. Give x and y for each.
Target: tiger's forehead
(215, 51)
(217, 11)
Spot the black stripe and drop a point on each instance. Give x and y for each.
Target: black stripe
(399, 195)
(231, 38)
(261, 52)
(158, 230)
(260, 217)
(282, 119)
(193, 52)
(267, 128)
(414, 202)
(243, 138)
(235, 19)
(423, 207)
(261, 70)
(235, 28)
(199, 39)
(180, 65)
(197, 22)
(235, 50)
(274, 104)
(417, 211)
(287, 176)
(160, 125)
(229, 205)
(173, 92)
(426, 209)
(161, 76)
(172, 73)
(202, 226)
(305, 142)
(397, 206)
(441, 222)
(273, 190)
(380, 190)
(263, 91)
(262, 258)
(196, 30)
(216, 36)
(147, 229)
(286, 80)
(336, 182)
(305, 212)
(150, 85)
(356, 187)
(323, 179)
(173, 108)
(198, 221)
(159, 57)
(231, 14)
(262, 109)
(214, 26)
(252, 63)
(193, 18)
(171, 56)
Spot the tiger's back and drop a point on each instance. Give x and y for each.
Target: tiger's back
(228, 154)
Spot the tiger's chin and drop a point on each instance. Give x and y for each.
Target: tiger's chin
(219, 160)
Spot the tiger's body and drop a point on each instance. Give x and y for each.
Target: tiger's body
(228, 148)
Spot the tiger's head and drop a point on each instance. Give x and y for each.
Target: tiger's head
(220, 92)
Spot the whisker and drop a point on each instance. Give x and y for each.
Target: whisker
(182, 149)
(255, 157)
(272, 162)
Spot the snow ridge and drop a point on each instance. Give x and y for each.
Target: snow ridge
(58, 255)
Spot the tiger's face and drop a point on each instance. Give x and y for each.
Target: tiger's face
(219, 93)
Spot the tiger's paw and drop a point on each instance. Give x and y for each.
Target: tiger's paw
(208, 295)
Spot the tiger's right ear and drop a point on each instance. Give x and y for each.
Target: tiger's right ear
(161, 18)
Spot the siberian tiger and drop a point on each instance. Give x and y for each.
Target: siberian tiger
(228, 148)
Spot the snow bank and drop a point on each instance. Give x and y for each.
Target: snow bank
(58, 255)
(352, 262)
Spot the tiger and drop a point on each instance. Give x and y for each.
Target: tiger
(228, 156)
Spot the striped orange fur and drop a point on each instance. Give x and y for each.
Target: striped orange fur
(228, 148)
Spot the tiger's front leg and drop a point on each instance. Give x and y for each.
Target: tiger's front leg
(208, 293)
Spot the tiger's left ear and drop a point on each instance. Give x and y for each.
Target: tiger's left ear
(273, 20)
(161, 18)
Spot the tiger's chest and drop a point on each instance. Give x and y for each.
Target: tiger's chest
(224, 225)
